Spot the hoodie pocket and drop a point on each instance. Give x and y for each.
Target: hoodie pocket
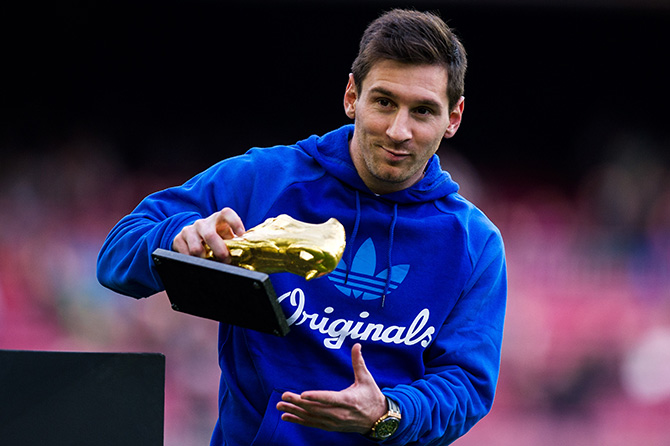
(270, 422)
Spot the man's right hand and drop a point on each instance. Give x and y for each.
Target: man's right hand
(209, 233)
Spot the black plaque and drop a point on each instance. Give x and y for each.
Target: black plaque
(81, 399)
(224, 293)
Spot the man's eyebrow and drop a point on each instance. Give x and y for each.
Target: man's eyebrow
(424, 102)
(383, 91)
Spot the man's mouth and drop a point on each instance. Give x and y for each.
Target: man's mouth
(395, 154)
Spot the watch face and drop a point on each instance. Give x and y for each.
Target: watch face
(387, 427)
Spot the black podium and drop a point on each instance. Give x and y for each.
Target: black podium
(81, 399)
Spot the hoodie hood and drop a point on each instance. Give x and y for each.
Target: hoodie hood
(331, 151)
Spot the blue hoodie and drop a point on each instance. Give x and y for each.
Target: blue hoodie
(422, 286)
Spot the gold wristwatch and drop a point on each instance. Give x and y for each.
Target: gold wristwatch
(388, 423)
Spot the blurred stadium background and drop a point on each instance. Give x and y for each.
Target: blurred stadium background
(564, 145)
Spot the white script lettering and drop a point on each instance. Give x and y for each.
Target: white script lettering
(340, 329)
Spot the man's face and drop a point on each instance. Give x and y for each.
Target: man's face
(401, 115)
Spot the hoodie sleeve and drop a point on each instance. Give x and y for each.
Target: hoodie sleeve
(463, 363)
(248, 183)
(124, 262)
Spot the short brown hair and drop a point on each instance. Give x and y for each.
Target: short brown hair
(417, 38)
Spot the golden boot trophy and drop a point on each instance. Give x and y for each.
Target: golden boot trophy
(283, 244)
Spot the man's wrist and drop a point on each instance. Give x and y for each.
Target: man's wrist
(388, 423)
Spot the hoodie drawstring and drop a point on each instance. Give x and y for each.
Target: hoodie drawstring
(352, 241)
(353, 235)
(390, 268)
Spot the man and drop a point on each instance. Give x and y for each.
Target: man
(420, 290)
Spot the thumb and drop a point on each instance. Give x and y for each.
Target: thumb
(361, 372)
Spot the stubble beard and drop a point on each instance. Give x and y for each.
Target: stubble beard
(384, 171)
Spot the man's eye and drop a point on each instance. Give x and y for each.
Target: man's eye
(384, 102)
(424, 111)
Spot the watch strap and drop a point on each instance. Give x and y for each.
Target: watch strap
(387, 424)
(393, 406)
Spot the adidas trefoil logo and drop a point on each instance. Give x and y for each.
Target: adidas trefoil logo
(362, 281)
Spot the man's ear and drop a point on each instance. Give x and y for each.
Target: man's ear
(455, 116)
(350, 97)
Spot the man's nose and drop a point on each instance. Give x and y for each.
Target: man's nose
(399, 128)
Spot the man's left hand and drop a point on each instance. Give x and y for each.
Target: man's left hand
(354, 409)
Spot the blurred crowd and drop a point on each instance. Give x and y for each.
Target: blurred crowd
(586, 353)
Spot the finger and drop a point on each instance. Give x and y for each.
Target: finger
(309, 421)
(215, 246)
(292, 409)
(327, 398)
(202, 239)
(298, 411)
(229, 224)
(189, 242)
(290, 399)
(295, 419)
(179, 244)
(296, 415)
